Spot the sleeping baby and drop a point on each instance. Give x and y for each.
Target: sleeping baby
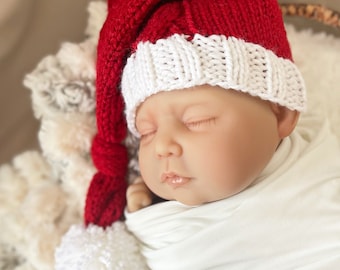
(211, 92)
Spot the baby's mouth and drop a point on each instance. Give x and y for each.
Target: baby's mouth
(174, 180)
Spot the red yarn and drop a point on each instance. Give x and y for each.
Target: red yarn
(256, 21)
(132, 21)
(106, 200)
(110, 158)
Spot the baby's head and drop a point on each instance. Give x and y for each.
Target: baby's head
(206, 143)
(210, 89)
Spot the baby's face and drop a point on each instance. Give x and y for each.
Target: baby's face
(205, 143)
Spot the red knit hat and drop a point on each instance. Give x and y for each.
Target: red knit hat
(148, 46)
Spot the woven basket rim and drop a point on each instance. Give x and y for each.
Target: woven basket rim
(316, 12)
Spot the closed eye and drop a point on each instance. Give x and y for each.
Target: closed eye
(199, 123)
(145, 135)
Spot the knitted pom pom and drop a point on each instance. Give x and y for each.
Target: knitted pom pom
(93, 247)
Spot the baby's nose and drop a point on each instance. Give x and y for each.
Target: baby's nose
(166, 146)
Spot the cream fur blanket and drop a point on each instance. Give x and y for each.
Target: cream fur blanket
(42, 193)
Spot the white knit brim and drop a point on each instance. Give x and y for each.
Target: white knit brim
(178, 63)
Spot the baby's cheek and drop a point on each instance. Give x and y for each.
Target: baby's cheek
(226, 170)
(149, 172)
(144, 160)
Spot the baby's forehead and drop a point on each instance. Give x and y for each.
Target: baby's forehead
(196, 94)
(185, 96)
(192, 99)
(196, 102)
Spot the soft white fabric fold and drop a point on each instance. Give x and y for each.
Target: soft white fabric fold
(288, 219)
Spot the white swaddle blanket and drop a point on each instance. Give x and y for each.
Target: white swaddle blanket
(289, 219)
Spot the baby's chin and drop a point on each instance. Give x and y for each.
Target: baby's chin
(194, 202)
(185, 201)
(197, 201)
(195, 197)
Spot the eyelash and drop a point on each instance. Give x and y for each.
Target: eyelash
(196, 124)
(144, 136)
(193, 124)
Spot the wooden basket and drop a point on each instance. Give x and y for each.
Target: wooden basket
(314, 12)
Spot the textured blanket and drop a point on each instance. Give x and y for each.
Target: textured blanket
(42, 193)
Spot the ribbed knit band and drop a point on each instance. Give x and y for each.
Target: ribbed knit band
(174, 44)
(178, 62)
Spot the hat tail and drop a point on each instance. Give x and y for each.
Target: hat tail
(106, 195)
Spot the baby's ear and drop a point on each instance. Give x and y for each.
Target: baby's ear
(286, 119)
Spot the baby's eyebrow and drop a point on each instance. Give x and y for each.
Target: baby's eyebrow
(199, 105)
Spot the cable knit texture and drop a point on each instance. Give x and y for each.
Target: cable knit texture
(147, 46)
(63, 166)
(106, 196)
(231, 63)
(240, 45)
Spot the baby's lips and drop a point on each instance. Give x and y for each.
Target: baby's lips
(174, 180)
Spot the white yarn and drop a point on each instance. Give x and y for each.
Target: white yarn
(176, 63)
(95, 248)
(316, 55)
